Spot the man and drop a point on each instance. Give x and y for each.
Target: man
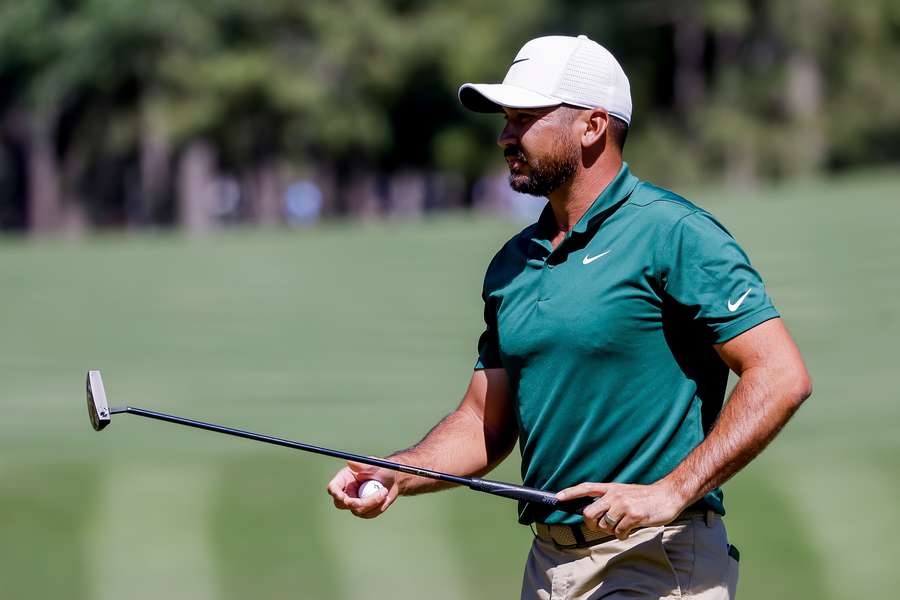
(611, 324)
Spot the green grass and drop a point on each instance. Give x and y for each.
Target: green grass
(361, 337)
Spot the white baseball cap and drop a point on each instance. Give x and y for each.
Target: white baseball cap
(554, 70)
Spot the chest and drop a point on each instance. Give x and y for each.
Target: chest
(594, 298)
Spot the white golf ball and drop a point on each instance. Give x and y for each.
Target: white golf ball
(369, 488)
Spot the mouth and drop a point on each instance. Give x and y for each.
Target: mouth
(515, 164)
(515, 160)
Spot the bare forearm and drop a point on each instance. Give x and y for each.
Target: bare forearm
(458, 445)
(760, 405)
(773, 383)
(468, 441)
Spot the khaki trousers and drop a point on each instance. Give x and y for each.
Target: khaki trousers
(687, 559)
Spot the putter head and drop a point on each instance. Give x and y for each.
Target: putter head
(98, 409)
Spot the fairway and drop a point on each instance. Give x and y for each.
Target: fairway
(360, 337)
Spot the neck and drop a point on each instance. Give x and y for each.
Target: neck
(571, 200)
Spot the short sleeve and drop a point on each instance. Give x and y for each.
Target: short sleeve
(488, 343)
(703, 269)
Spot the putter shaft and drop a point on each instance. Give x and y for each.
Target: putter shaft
(497, 488)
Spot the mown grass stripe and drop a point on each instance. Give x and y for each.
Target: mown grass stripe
(150, 533)
(780, 555)
(487, 540)
(42, 527)
(361, 338)
(851, 521)
(268, 537)
(406, 553)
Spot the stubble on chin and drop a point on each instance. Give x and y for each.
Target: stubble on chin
(547, 174)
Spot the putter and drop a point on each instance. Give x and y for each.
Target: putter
(100, 414)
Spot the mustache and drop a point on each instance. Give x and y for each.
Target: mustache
(515, 152)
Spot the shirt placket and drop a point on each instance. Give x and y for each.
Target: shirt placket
(544, 269)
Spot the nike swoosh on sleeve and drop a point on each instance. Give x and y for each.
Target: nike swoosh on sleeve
(737, 305)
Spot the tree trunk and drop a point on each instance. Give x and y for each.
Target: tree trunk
(688, 42)
(44, 181)
(804, 105)
(154, 174)
(265, 190)
(407, 191)
(324, 175)
(196, 188)
(72, 210)
(361, 195)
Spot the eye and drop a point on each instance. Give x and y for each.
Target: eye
(524, 118)
(521, 118)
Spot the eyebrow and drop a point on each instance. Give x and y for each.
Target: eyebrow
(532, 111)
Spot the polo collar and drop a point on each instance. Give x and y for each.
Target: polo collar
(617, 191)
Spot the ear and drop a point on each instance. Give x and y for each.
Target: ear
(595, 127)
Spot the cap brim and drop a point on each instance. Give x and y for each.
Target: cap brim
(494, 97)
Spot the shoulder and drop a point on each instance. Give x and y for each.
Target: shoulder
(665, 211)
(509, 259)
(660, 204)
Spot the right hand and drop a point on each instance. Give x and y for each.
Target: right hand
(344, 486)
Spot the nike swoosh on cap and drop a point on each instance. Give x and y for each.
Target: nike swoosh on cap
(518, 61)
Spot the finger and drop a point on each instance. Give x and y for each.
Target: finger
(625, 526)
(610, 521)
(595, 509)
(596, 522)
(335, 491)
(581, 490)
(593, 525)
(604, 526)
(382, 500)
(348, 503)
(369, 504)
(368, 512)
(340, 479)
(337, 488)
(362, 471)
(389, 496)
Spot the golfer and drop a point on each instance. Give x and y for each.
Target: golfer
(610, 328)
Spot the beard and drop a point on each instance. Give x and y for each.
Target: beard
(548, 173)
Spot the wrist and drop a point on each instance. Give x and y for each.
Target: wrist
(679, 496)
(403, 481)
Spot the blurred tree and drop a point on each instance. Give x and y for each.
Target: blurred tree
(862, 96)
(287, 80)
(753, 88)
(31, 102)
(451, 45)
(82, 78)
(114, 108)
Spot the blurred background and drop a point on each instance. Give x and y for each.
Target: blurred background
(276, 216)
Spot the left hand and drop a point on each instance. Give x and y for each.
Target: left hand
(629, 506)
(344, 489)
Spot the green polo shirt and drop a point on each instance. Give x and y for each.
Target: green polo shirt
(608, 339)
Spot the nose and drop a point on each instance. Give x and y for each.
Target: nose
(508, 137)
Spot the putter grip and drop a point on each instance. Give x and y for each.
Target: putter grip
(527, 494)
